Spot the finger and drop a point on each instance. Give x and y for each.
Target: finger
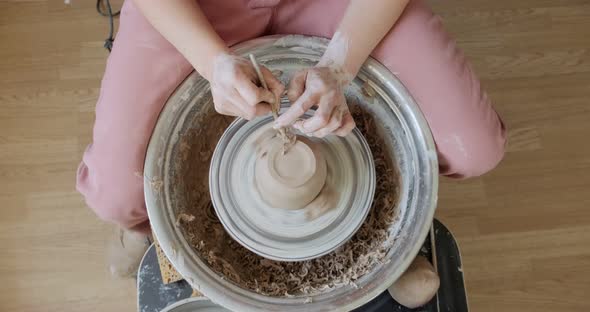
(222, 104)
(247, 111)
(250, 112)
(335, 123)
(296, 85)
(225, 109)
(305, 101)
(262, 109)
(321, 117)
(298, 125)
(240, 106)
(347, 125)
(274, 85)
(252, 95)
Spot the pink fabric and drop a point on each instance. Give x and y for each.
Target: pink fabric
(144, 69)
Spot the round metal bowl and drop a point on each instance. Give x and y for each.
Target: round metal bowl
(398, 120)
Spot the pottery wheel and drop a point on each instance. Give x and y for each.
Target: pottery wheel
(290, 206)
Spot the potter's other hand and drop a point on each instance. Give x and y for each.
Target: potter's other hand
(235, 87)
(322, 87)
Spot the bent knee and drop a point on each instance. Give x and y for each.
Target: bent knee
(112, 198)
(465, 156)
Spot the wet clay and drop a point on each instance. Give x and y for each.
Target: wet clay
(366, 250)
(289, 179)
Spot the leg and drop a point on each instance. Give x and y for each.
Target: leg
(142, 71)
(470, 136)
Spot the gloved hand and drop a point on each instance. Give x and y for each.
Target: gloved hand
(235, 89)
(320, 86)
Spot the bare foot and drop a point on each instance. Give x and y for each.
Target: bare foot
(417, 285)
(125, 251)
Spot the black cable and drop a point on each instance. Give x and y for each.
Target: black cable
(100, 7)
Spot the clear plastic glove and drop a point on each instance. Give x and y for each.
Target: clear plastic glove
(322, 87)
(235, 89)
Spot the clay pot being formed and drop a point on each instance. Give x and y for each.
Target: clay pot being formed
(293, 179)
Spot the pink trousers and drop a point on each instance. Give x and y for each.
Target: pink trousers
(144, 69)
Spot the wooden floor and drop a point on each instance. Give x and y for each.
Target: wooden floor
(524, 229)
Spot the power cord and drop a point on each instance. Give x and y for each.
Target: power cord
(101, 6)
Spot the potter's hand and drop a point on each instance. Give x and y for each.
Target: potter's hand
(322, 87)
(364, 24)
(235, 92)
